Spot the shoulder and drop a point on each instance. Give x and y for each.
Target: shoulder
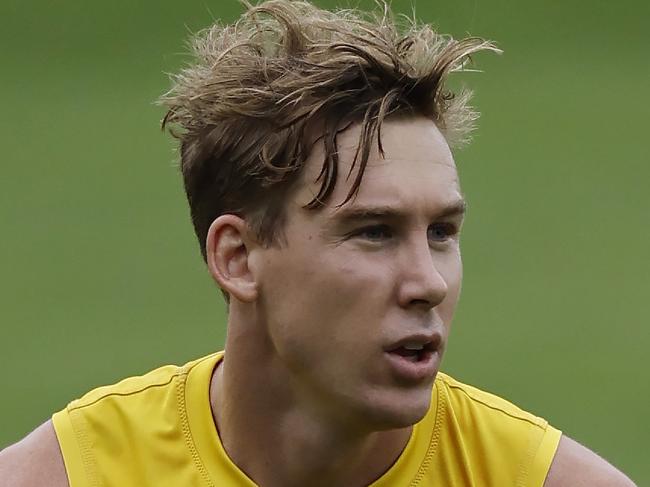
(34, 461)
(130, 386)
(521, 445)
(159, 380)
(575, 465)
(471, 400)
(558, 461)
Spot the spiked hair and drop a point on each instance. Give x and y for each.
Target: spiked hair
(244, 109)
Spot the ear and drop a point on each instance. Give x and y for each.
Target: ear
(227, 257)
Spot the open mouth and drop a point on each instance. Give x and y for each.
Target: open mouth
(415, 352)
(415, 358)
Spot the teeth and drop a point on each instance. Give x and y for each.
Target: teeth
(413, 346)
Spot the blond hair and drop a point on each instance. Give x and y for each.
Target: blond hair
(243, 110)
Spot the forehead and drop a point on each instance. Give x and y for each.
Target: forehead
(417, 168)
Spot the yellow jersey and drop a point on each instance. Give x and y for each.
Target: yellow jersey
(157, 430)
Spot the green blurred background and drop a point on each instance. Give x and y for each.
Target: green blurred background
(101, 276)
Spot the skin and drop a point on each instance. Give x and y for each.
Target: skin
(328, 388)
(328, 408)
(327, 411)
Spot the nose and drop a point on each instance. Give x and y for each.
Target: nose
(421, 283)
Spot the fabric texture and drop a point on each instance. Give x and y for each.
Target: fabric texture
(157, 430)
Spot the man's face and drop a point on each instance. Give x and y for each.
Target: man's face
(358, 301)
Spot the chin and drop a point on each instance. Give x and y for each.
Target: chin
(399, 409)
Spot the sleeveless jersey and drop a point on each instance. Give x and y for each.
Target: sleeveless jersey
(157, 430)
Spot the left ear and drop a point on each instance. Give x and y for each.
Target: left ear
(227, 256)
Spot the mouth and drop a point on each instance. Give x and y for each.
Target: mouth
(416, 347)
(415, 351)
(416, 358)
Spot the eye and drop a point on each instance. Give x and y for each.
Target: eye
(374, 233)
(441, 232)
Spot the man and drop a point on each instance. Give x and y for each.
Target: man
(315, 154)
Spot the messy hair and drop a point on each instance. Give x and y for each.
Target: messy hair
(244, 109)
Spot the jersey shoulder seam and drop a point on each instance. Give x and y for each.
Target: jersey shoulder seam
(180, 371)
(108, 394)
(453, 384)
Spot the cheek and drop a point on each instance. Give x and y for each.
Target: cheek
(322, 306)
(332, 298)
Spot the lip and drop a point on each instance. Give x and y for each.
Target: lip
(424, 368)
(410, 372)
(430, 341)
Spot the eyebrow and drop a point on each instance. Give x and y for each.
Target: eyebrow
(364, 213)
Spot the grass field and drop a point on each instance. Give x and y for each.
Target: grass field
(100, 276)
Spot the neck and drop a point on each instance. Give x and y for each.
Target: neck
(277, 439)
